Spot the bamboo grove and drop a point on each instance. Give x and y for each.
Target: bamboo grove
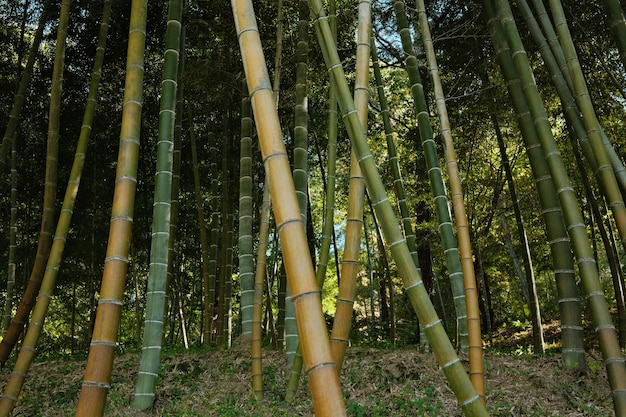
(281, 182)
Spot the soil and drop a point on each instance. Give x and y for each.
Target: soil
(375, 382)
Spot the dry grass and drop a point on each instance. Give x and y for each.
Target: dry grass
(376, 382)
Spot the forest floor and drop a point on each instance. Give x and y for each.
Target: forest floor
(375, 381)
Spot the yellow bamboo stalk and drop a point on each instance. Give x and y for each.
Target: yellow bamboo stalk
(97, 378)
(414, 286)
(350, 264)
(319, 365)
(37, 319)
(465, 246)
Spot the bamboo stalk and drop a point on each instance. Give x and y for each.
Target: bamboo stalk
(245, 244)
(27, 351)
(446, 356)
(20, 95)
(475, 344)
(157, 279)
(573, 353)
(449, 241)
(322, 374)
(356, 195)
(97, 378)
(604, 327)
(44, 244)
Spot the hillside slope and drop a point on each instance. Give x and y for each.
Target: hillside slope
(376, 382)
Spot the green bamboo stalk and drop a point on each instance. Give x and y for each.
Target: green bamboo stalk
(279, 273)
(331, 160)
(278, 58)
(223, 329)
(605, 172)
(328, 222)
(573, 115)
(204, 241)
(228, 272)
(97, 378)
(442, 210)
(300, 157)
(394, 162)
(604, 327)
(27, 351)
(210, 286)
(50, 190)
(554, 60)
(290, 327)
(465, 247)
(155, 294)
(610, 248)
(20, 96)
(245, 244)
(616, 163)
(572, 350)
(552, 39)
(557, 53)
(176, 154)
(618, 26)
(444, 351)
(300, 151)
(370, 272)
(563, 83)
(322, 374)
(259, 277)
(8, 305)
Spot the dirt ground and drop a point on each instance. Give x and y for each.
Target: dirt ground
(375, 382)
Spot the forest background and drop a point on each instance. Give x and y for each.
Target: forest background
(212, 79)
